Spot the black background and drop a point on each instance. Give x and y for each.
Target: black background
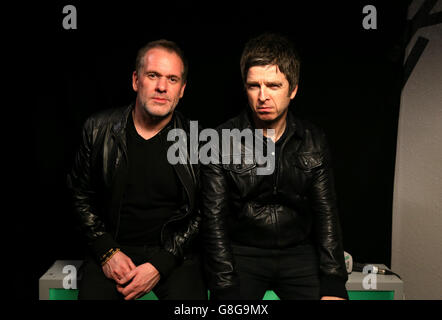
(350, 86)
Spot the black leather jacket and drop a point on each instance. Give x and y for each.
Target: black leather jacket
(238, 208)
(97, 183)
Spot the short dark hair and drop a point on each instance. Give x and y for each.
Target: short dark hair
(167, 45)
(272, 49)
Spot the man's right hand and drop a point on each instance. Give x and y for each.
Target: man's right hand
(118, 266)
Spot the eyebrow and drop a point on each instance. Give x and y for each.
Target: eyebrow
(169, 76)
(267, 83)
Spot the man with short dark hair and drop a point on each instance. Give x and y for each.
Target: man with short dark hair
(139, 213)
(280, 230)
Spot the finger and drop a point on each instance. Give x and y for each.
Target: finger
(135, 295)
(139, 295)
(117, 273)
(128, 264)
(121, 282)
(128, 289)
(131, 265)
(125, 270)
(130, 296)
(117, 276)
(127, 278)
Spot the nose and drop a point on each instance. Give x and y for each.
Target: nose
(262, 96)
(161, 85)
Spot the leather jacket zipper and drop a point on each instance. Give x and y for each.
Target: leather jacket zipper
(275, 186)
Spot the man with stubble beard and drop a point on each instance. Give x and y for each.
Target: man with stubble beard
(138, 212)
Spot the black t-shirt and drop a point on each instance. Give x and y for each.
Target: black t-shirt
(153, 193)
(270, 180)
(279, 144)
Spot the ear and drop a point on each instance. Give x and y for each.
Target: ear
(293, 94)
(182, 90)
(135, 81)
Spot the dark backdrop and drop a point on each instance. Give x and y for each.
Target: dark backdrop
(350, 86)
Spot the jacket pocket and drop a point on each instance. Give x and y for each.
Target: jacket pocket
(240, 168)
(307, 161)
(242, 178)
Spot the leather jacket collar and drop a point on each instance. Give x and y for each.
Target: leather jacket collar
(119, 126)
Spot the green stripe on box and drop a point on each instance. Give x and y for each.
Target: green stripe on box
(149, 296)
(63, 294)
(72, 294)
(370, 295)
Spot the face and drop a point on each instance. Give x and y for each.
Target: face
(159, 85)
(268, 92)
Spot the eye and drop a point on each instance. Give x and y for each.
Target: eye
(152, 75)
(252, 86)
(274, 85)
(173, 80)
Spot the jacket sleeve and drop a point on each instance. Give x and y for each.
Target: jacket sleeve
(333, 274)
(219, 263)
(174, 248)
(84, 196)
(185, 237)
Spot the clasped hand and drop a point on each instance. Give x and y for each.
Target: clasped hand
(132, 281)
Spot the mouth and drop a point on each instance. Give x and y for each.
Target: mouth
(160, 99)
(264, 109)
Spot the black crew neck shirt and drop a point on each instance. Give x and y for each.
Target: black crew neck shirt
(153, 193)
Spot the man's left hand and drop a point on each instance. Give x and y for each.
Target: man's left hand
(139, 281)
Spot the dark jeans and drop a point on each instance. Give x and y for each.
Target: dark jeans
(292, 273)
(184, 283)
